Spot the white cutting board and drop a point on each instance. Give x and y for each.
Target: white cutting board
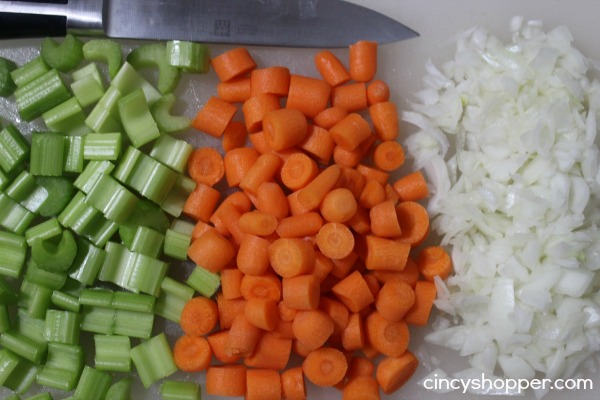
(401, 65)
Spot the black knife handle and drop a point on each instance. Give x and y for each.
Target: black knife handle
(17, 25)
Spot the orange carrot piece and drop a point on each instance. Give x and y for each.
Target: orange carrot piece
(414, 222)
(434, 261)
(393, 372)
(263, 384)
(386, 254)
(348, 158)
(394, 300)
(337, 311)
(388, 155)
(237, 162)
(343, 266)
(352, 180)
(284, 128)
(298, 170)
(291, 257)
(201, 203)
(311, 196)
(273, 80)
(192, 353)
(286, 313)
(235, 90)
(199, 316)
(373, 284)
(253, 255)
(205, 165)
(301, 292)
(362, 60)
(214, 116)
(263, 170)
(229, 309)
(300, 349)
(226, 380)
(323, 266)
(258, 141)
(217, 341)
(234, 136)
(425, 293)
(387, 337)
(351, 131)
(262, 313)
(339, 205)
(293, 386)
(391, 194)
(352, 97)
(331, 68)
(335, 240)
(318, 143)
(271, 352)
(312, 328)
(411, 187)
(299, 226)
(325, 366)
(211, 251)
(284, 329)
(330, 116)
(255, 109)
(360, 221)
(199, 228)
(371, 173)
(377, 92)
(271, 199)
(229, 216)
(258, 223)
(307, 94)
(295, 206)
(362, 387)
(385, 120)
(231, 282)
(384, 220)
(353, 292)
(410, 274)
(242, 203)
(233, 64)
(373, 193)
(360, 366)
(243, 336)
(267, 285)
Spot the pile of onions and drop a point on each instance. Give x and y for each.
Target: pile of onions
(506, 135)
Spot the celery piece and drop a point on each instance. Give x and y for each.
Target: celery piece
(92, 172)
(60, 191)
(30, 326)
(5, 323)
(34, 299)
(8, 363)
(13, 396)
(52, 280)
(154, 55)
(189, 56)
(67, 117)
(4, 180)
(104, 50)
(63, 366)
(24, 346)
(205, 282)
(176, 244)
(112, 199)
(143, 303)
(167, 122)
(93, 384)
(110, 100)
(100, 119)
(153, 359)
(133, 324)
(62, 327)
(182, 226)
(121, 389)
(40, 396)
(172, 298)
(102, 146)
(90, 69)
(64, 56)
(73, 158)
(146, 214)
(47, 154)
(40, 95)
(129, 80)
(13, 248)
(55, 257)
(25, 190)
(65, 301)
(7, 84)
(175, 200)
(172, 152)
(136, 118)
(147, 241)
(8, 294)
(87, 221)
(87, 262)
(44, 230)
(29, 71)
(14, 148)
(112, 353)
(179, 390)
(13, 216)
(87, 90)
(97, 319)
(97, 297)
(22, 377)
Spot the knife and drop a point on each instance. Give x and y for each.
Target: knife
(292, 23)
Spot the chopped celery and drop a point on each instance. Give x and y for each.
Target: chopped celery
(93, 384)
(189, 56)
(112, 199)
(172, 152)
(147, 241)
(175, 201)
(92, 172)
(13, 216)
(55, 257)
(90, 69)
(5, 323)
(97, 319)
(8, 295)
(65, 301)
(14, 148)
(153, 359)
(63, 366)
(64, 56)
(129, 80)
(102, 146)
(40, 396)
(100, 119)
(40, 95)
(47, 154)
(121, 389)
(8, 363)
(7, 84)
(13, 248)
(112, 353)
(25, 190)
(60, 191)
(104, 50)
(172, 298)
(179, 390)
(24, 346)
(205, 282)
(167, 122)
(127, 301)
(62, 327)
(67, 117)
(73, 158)
(182, 226)
(34, 300)
(155, 55)
(49, 279)
(176, 244)
(22, 377)
(136, 118)
(147, 214)
(87, 262)
(44, 230)
(29, 71)
(87, 90)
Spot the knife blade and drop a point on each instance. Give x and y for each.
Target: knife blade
(290, 23)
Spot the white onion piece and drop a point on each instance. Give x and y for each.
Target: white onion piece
(506, 135)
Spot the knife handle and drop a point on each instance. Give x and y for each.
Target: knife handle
(15, 26)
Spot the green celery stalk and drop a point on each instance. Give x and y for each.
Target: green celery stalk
(47, 154)
(179, 390)
(14, 149)
(64, 56)
(55, 257)
(93, 384)
(166, 121)
(40, 95)
(29, 71)
(63, 366)
(112, 353)
(189, 56)
(104, 50)
(7, 84)
(155, 55)
(153, 359)
(60, 191)
(205, 282)
(13, 248)
(136, 118)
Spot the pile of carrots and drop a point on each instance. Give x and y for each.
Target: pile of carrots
(320, 254)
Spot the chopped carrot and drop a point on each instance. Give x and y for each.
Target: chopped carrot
(231, 282)
(233, 64)
(242, 203)
(312, 328)
(318, 143)
(414, 222)
(205, 165)
(410, 274)
(325, 366)
(387, 254)
(377, 92)
(235, 90)
(262, 313)
(384, 220)
(226, 380)
(363, 60)
(307, 94)
(391, 194)
(258, 141)
(354, 292)
(214, 116)
(299, 226)
(271, 199)
(323, 266)
(339, 205)
(273, 80)
(389, 338)
(291, 257)
(372, 173)
(330, 116)
(237, 162)
(199, 228)
(230, 216)
(263, 384)
(253, 255)
(352, 180)
(360, 221)
(255, 109)
(362, 387)
(258, 223)
(242, 337)
(349, 158)
(335, 240)
(301, 292)
(384, 116)
(263, 170)
(298, 170)
(229, 309)
(267, 285)
(337, 311)
(286, 313)
(360, 366)
(217, 341)
(284, 128)
(234, 136)
(351, 131)
(343, 266)
(271, 352)
(211, 251)
(284, 329)
(199, 316)
(373, 193)
(201, 203)
(310, 196)
(388, 155)
(394, 300)
(352, 97)
(293, 386)
(295, 206)
(393, 372)
(411, 187)
(425, 293)
(331, 68)
(192, 353)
